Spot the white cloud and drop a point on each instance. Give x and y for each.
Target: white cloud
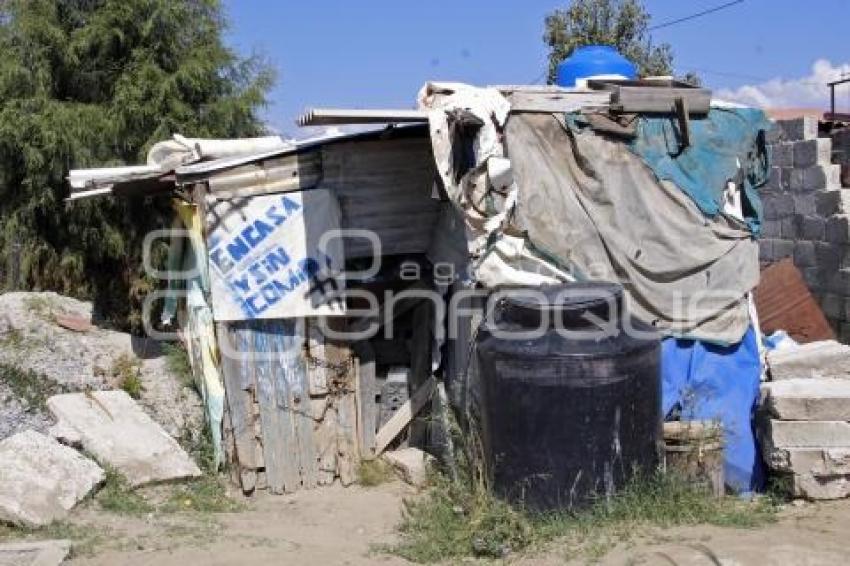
(805, 92)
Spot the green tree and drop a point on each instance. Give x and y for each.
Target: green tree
(619, 23)
(86, 83)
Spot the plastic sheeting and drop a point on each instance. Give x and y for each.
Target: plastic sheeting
(726, 145)
(707, 382)
(200, 337)
(592, 204)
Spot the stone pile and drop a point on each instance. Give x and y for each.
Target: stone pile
(807, 216)
(805, 419)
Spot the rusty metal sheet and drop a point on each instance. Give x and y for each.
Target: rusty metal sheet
(783, 302)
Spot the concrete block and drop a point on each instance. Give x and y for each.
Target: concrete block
(822, 177)
(838, 229)
(807, 434)
(778, 206)
(788, 228)
(805, 203)
(804, 254)
(797, 180)
(832, 306)
(772, 228)
(812, 152)
(820, 488)
(785, 178)
(824, 399)
(774, 181)
(41, 480)
(826, 358)
(781, 154)
(804, 128)
(782, 249)
(811, 227)
(828, 255)
(813, 279)
(809, 461)
(115, 431)
(828, 202)
(766, 250)
(837, 282)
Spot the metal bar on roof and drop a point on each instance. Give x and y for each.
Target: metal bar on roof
(332, 116)
(92, 193)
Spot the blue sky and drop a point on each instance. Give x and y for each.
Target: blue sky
(377, 53)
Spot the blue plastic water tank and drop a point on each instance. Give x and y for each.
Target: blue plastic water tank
(593, 60)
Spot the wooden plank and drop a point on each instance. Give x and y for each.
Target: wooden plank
(403, 416)
(289, 339)
(420, 366)
(657, 99)
(367, 409)
(278, 438)
(235, 372)
(347, 445)
(324, 437)
(556, 102)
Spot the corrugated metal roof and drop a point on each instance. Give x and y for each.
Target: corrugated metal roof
(206, 167)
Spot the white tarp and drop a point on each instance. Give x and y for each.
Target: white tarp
(271, 257)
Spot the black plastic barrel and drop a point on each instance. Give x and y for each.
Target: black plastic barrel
(573, 412)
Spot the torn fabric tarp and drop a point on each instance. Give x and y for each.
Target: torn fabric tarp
(726, 145)
(593, 204)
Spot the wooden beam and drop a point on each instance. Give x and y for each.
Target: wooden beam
(403, 416)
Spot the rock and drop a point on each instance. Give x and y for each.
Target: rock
(826, 358)
(115, 430)
(41, 480)
(35, 335)
(808, 399)
(806, 434)
(34, 553)
(412, 464)
(820, 487)
(65, 434)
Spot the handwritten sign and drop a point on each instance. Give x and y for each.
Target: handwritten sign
(265, 258)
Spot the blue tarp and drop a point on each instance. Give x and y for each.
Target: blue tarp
(702, 381)
(717, 143)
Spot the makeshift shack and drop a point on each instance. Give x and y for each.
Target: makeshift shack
(649, 184)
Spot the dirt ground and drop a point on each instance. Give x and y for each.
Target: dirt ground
(344, 525)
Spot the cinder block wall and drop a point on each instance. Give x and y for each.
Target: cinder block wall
(806, 216)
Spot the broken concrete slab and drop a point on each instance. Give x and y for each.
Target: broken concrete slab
(826, 358)
(41, 480)
(820, 487)
(812, 461)
(116, 432)
(35, 553)
(806, 434)
(808, 399)
(412, 463)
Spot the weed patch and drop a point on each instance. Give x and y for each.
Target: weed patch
(456, 520)
(177, 360)
(372, 473)
(206, 494)
(31, 387)
(126, 370)
(117, 496)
